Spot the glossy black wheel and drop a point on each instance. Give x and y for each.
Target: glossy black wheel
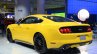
(40, 43)
(9, 36)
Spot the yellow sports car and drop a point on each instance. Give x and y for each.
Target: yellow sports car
(48, 31)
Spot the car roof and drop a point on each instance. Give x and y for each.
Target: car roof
(40, 15)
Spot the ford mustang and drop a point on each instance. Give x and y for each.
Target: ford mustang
(48, 31)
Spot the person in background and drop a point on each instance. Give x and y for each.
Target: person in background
(2, 26)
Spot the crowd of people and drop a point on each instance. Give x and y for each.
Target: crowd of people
(4, 22)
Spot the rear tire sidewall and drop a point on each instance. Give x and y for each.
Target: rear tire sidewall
(9, 36)
(39, 35)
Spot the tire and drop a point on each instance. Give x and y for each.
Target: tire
(9, 37)
(72, 51)
(76, 50)
(40, 43)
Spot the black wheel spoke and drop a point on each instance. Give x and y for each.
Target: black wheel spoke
(40, 44)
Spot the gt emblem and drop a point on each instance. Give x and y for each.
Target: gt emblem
(80, 29)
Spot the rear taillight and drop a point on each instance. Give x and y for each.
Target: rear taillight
(89, 29)
(65, 30)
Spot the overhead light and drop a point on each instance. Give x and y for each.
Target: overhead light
(9, 0)
(83, 14)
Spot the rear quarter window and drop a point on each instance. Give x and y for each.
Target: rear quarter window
(58, 19)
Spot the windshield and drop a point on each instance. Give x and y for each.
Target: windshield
(58, 19)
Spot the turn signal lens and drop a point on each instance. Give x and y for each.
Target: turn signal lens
(68, 30)
(61, 30)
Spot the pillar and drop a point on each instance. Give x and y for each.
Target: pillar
(22, 8)
(40, 6)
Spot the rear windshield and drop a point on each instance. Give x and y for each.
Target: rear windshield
(58, 19)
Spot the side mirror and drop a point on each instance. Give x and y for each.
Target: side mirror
(18, 23)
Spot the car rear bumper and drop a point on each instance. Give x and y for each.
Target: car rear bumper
(64, 39)
(66, 46)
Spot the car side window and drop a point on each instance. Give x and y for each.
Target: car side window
(30, 20)
(23, 21)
